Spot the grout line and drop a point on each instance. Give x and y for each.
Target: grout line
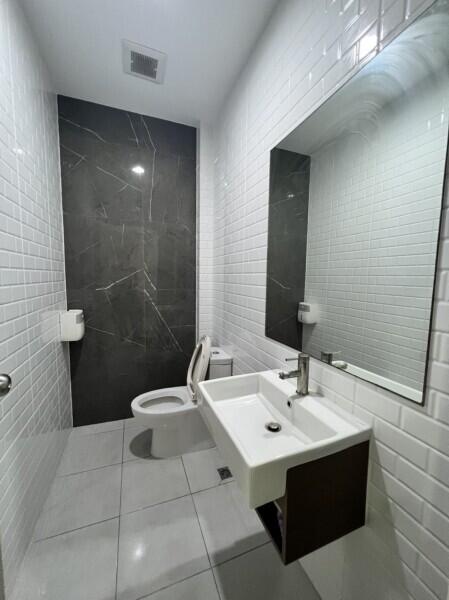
(51, 537)
(119, 511)
(199, 525)
(189, 493)
(136, 426)
(79, 437)
(136, 510)
(185, 473)
(170, 585)
(196, 513)
(199, 522)
(212, 487)
(79, 434)
(216, 583)
(130, 512)
(88, 470)
(128, 460)
(211, 569)
(223, 562)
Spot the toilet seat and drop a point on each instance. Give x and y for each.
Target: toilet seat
(198, 365)
(163, 408)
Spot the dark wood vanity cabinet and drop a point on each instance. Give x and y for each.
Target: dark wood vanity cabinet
(324, 500)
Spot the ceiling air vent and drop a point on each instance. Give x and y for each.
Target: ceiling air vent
(144, 62)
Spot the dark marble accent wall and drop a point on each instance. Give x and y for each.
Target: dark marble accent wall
(287, 245)
(130, 253)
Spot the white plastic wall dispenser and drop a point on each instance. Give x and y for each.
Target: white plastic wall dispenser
(72, 325)
(307, 313)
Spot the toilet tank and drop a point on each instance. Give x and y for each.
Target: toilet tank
(220, 364)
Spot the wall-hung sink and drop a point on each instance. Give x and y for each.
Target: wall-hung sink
(263, 429)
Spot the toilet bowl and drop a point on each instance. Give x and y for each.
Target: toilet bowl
(172, 413)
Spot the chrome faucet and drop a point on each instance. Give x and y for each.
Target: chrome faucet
(301, 373)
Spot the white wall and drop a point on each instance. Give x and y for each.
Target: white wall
(374, 208)
(309, 47)
(36, 413)
(205, 233)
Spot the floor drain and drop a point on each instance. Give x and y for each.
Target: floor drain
(225, 473)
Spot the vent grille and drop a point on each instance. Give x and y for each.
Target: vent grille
(144, 62)
(144, 65)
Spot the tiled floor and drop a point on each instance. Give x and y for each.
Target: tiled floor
(121, 525)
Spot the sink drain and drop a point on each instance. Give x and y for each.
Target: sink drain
(273, 427)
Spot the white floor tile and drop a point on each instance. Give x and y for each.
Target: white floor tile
(260, 575)
(97, 428)
(159, 546)
(228, 525)
(162, 551)
(84, 452)
(136, 443)
(201, 468)
(73, 566)
(148, 482)
(79, 500)
(198, 587)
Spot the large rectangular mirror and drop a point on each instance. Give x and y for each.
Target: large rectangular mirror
(354, 215)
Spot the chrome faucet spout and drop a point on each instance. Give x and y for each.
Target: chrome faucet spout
(301, 374)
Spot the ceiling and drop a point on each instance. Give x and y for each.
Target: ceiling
(207, 42)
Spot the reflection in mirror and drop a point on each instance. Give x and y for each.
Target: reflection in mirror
(354, 215)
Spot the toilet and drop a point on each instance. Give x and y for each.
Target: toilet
(172, 413)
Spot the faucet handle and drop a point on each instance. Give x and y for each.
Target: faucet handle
(328, 357)
(300, 355)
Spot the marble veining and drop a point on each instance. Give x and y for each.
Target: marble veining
(287, 245)
(130, 253)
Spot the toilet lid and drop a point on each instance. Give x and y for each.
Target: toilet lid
(199, 364)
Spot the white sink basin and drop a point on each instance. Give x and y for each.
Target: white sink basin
(237, 409)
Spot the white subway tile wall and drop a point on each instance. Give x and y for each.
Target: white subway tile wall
(309, 48)
(374, 209)
(36, 415)
(205, 223)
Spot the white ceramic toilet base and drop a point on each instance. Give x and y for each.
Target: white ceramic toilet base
(172, 414)
(192, 435)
